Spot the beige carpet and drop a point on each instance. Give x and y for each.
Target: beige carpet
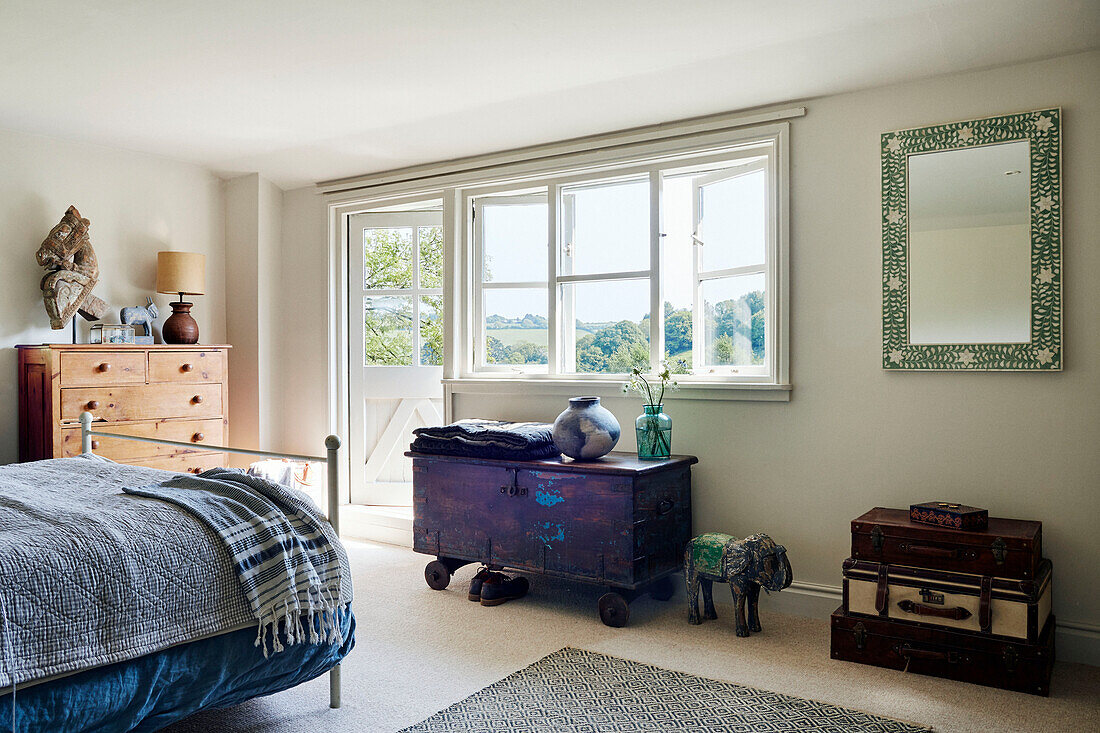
(420, 650)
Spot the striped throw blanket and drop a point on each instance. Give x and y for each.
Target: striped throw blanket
(290, 563)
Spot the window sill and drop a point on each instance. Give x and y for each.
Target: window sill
(697, 390)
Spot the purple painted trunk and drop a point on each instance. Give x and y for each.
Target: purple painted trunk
(619, 521)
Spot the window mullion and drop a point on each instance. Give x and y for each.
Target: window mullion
(553, 336)
(697, 316)
(480, 357)
(656, 308)
(567, 317)
(416, 296)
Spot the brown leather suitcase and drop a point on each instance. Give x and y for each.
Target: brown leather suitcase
(1007, 548)
(1017, 609)
(956, 655)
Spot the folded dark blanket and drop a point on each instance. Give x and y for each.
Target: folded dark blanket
(476, 438)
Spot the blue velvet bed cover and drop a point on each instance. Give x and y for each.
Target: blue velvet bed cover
(156, 690)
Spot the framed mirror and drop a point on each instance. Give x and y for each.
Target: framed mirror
(972, 245)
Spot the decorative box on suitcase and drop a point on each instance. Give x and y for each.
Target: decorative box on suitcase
(956, 655)
(1014, 608)
(1008, 548)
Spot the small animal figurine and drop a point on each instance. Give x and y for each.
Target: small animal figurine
(140, 316)
(747, 565)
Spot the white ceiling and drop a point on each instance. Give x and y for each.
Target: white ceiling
(304, 91)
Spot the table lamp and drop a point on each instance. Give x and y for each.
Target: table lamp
(183, 273)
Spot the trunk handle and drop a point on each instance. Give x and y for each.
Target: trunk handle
(958, 613)
(929, 551)
(910, 653)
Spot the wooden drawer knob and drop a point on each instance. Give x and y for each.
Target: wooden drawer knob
(197, 438)
(104, 367)
(197, 399)
(186, 367)
(92, 404)
(95, 444)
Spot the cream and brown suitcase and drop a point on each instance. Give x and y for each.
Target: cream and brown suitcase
(1016, 609)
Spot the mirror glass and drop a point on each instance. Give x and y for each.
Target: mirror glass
(970, 245)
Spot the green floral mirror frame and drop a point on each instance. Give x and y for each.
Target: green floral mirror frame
(926, 208)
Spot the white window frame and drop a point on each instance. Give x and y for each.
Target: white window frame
(508, 170)
(699, 275)
(480, 344)
(766, 152)
(415, 220)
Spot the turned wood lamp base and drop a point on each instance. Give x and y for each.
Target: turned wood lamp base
(180, 328)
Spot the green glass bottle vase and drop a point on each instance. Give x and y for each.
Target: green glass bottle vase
(654, 430)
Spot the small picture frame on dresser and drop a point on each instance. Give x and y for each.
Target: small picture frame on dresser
(111, 333)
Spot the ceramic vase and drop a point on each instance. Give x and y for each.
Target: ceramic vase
(586, 429)
(654, 431)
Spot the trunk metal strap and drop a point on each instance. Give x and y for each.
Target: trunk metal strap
(882, 595)
(985, 605)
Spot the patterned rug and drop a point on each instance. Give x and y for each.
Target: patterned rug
(578, 691)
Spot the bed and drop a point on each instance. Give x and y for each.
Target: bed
(126, 613)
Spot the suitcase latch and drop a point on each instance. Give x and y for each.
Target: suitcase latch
(860, 632)
(876, 538)
(929, 596)
(1011, 657)
(999, 550)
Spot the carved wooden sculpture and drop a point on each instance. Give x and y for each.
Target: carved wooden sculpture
(747, 565)
(73, 271)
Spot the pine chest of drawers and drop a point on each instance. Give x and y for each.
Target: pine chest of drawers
(168, 392)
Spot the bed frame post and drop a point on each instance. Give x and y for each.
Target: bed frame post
(85, 429)
(332, 466)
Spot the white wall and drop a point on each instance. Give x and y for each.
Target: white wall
(253, 236)
(137, 204)
(855, 436)
(302, 314)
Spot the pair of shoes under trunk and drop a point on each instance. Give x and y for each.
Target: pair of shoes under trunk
(492, 588)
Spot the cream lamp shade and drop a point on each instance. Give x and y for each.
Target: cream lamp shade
(181, 272)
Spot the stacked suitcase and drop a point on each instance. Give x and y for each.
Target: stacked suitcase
(971, 605)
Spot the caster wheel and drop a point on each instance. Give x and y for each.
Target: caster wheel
(437, 575)
(614, 610)
(662, 590)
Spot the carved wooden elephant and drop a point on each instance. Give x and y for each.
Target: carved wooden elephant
(747, 565)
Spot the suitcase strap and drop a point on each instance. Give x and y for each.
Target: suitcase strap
(882, 595)
(958, 613)
(985, 605)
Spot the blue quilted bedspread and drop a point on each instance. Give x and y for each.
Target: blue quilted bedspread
(158, 689)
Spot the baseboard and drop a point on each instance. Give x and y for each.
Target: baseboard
(391, 526)
(1077, 642)
(1074, 641)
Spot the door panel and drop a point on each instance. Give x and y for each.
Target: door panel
(395, 341)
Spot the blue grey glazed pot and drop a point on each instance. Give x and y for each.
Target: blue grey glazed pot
(586, 429)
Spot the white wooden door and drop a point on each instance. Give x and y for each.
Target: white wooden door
(396, 346)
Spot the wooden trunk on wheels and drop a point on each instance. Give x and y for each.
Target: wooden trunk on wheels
(616, 522)
(958, 655)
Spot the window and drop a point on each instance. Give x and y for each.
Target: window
(593, 275)
(402, 295)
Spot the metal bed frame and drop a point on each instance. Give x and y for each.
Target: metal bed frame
(332, 492)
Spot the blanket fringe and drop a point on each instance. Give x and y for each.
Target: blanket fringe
(321, 614)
